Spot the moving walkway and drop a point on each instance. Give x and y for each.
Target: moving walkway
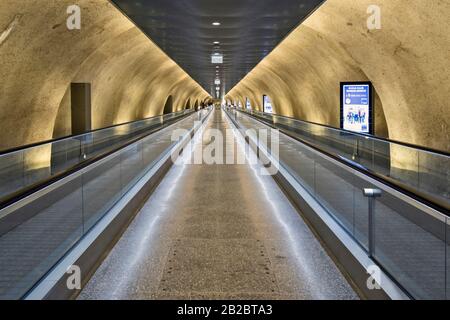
(55, 193)
(404, 230)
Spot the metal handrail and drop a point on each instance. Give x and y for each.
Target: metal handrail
(364, 135)
(427, 199)
(40, 143)
(34, 187)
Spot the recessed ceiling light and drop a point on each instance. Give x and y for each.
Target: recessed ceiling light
(216, 23)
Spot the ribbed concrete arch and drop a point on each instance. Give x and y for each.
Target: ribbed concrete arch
(131, 77)
(168, 106)
(188, 104)
(407, 61)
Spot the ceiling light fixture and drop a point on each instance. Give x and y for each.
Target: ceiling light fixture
(216, 42)
(216, 23)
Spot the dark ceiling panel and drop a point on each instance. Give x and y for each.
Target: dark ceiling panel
(248, 31)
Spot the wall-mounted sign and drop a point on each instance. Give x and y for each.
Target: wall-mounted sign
(217, 58)
(357, 107)
(267, 104)
(248, 105)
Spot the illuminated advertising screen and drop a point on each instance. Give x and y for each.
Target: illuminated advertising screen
(267, 104)
(248, 105)
(357, 107)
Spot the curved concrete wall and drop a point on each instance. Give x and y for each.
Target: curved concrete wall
(131, 77)
(407, 60)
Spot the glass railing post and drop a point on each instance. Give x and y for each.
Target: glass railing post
(23, 176)
(447, 258)
(372, 194)
(356, 154)
(314, 187)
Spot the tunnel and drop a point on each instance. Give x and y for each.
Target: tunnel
(225, 150)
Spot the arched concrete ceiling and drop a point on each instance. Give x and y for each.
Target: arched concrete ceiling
(131, 77)
(407, 61)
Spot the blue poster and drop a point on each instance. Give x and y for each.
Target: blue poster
(248, 104)
(267, 105)
(356, 108)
